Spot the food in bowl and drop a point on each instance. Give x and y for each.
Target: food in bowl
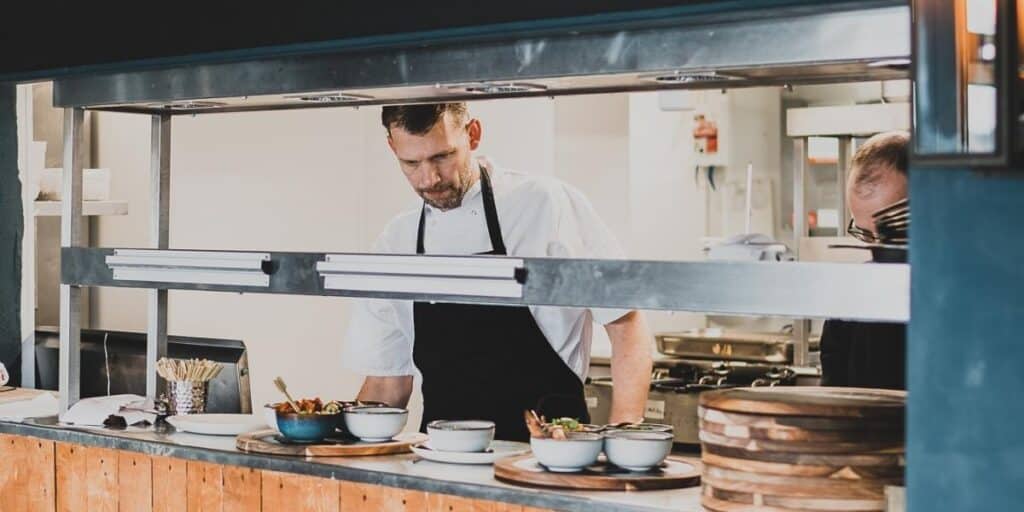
(460, 435)
(570, 454)
(315, 421)
(559, 428)
(637, 450)
(373, 423)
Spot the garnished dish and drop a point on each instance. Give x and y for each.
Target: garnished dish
(310, 406)
(559, 428)
(563, 445)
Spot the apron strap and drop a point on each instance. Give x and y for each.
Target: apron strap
(490, 214)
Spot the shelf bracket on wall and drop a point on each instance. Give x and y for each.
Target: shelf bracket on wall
(448, 275)
(196, 267)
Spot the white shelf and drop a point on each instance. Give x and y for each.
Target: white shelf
(89, 208)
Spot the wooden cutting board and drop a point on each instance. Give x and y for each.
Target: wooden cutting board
(816, 423)
(675, 473)
(267, 441)
(792, 434)
(796, 486)
(761, 445)
(11, 394)
(718, 500)
(808, 401)
(877, 460)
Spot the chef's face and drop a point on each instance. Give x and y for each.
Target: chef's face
(438, 163)
(867, 199)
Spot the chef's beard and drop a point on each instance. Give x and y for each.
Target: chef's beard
(447, 196)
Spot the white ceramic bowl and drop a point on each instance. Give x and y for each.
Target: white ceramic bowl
(460, 435)
(568, 455)
(375, 424)
(637, 451)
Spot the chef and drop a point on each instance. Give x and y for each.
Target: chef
(481, 361)
(869, 354)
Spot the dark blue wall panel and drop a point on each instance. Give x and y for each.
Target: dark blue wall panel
(11, 224)
(966, 342)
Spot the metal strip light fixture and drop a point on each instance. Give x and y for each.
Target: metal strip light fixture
(479, 276)
(195, 267)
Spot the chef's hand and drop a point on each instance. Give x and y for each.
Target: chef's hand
(394, 391)
(631, 367)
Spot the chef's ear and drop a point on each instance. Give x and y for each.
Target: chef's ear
(475, 132)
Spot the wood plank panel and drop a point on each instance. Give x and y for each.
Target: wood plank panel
(204, 487)
(170, 484)
(449, 503)
(134, 481)
(283, 491)
(39, 460)
(101, 480)
(356, 496)
(71, 477)
(12, 496)
(241, 489)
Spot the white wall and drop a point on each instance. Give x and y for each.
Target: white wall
(324, 180)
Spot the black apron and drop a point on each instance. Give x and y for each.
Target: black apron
(490, 362)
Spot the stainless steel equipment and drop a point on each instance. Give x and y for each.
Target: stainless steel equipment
(673, 400)
(725, 345)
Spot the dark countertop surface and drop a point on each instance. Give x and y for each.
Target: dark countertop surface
(403, 471)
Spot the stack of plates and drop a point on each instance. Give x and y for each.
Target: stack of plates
(800, 448)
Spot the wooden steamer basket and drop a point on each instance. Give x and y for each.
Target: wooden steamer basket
(800, 448)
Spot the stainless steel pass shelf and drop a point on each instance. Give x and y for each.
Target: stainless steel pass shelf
(810, 290)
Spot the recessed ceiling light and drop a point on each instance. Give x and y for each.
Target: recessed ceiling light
(329, 97)
(192, 105)
(498, 87)
(690, 77)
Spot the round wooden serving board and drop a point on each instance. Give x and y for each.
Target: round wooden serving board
(809, 401)
(675, 473)
(265, 441)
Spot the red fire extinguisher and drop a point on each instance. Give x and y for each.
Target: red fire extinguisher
(705, 135)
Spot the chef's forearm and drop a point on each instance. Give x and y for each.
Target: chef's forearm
(394, 391)
(631, 367)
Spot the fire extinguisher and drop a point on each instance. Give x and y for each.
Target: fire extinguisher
(705, 135)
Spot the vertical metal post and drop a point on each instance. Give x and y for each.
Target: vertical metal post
(71, 236)
(801, 326)
(842, 166)
(159, 179)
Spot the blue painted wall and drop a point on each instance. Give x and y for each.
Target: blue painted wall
(965, 435)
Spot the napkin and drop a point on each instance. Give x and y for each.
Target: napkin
(92, 411)
(44, 404)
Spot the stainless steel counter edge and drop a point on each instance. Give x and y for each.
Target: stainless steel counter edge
(138, 442)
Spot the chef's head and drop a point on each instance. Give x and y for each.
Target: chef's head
(434, 144)
(878, 176)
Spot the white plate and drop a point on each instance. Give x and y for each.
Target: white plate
(498, 450)
(217, 424)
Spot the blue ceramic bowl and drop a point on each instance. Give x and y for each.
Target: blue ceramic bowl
(307, 428)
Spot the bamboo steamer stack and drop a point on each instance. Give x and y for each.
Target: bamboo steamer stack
(800, 448)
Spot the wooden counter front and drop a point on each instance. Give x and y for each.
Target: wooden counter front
(42, 475)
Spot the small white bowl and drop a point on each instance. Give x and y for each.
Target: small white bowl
(375, 424)
(637, 451)
(460, 435)
(568, 455)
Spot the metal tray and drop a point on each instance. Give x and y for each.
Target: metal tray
(725, 345)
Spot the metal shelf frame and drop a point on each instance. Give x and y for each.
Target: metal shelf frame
(760, 50)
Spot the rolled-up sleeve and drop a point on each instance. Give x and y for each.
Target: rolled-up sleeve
(379, 340)
(580, 233)
(377, 344)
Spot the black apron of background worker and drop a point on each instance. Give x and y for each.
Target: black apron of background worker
(490, 362)
(866, 354)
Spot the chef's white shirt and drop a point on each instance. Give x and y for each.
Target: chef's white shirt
(539, 216)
